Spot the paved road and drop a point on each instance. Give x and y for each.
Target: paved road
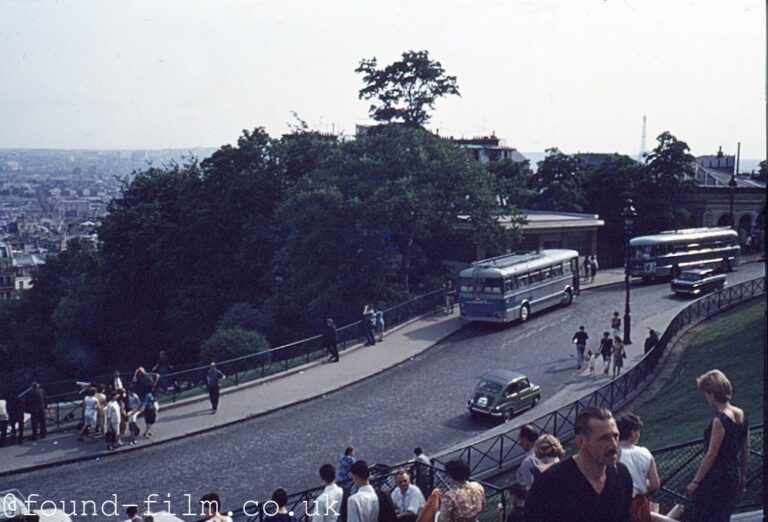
(417, 403)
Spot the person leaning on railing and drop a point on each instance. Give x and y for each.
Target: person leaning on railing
(641, 466)
(722, 473)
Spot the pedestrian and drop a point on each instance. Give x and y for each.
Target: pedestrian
(117, 381)
(113, 422)
(368, 323)
(651, 341)
(580, 340)
(407, 498)
(345, 466)
(280, 500)
(591, 486)
(328, 504)
(641, 466)
(748, 244)
(214, 377)
(465, 500)
(379, 325)
(363, 505)
(548, 451)
(591, 361)
(517, 494)
(593, 266)
(422, 471)
(150, 413)
(144, 382)
(606, 349)
(90, 413)
(163, 365)
(527, 440)
(331, 340)
(587, 269)
(134, 408)
(36, 406)
(722, 474)
(101, 409)
(16, 417)
(210, 506)
(3, 421)
(619, 354)
(615, 324)
(449, 296)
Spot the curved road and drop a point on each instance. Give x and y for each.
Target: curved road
(419, 403)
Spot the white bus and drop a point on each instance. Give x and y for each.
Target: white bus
(667, 253)
(513, 286)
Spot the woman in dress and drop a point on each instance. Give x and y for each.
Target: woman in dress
(618, 356)
(90, 413)
(465, 500)
(150, 413)
(722, 473)
(548, 451)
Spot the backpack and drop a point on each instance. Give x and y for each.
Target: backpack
(387, 511)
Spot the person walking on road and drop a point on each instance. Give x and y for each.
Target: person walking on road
(449, 296)
(615, 325)
(580, 340)
(593, 266)
(619, 354)
(606, 349)
(587, 269)
(331, 340)
(214, 377)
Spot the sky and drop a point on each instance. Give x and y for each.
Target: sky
(574, 74)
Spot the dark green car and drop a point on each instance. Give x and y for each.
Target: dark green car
(503, 393)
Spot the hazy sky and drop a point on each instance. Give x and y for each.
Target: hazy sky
(575, 74)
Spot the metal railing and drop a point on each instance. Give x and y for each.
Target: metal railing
(427, 477)
(502, 451)
(65, 408)
(677, 465)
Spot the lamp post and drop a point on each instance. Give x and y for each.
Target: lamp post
(731, 190)
(629, 214)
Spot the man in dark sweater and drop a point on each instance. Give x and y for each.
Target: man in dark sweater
(592, 486)
(580, 339)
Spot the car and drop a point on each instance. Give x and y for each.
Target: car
(696, 281)
(502, 393)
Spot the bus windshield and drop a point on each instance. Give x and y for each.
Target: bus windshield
(492, 285)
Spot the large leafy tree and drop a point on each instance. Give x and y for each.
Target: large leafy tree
(557, 183)
(407, 89)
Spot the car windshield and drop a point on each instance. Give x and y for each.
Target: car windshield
(691, 276)
(489, 386)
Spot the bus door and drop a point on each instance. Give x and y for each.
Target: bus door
(575, 272)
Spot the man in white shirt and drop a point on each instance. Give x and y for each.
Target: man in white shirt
(422, 471)
(407, 498)
(363, 506)
(528, 436)
(328, 503)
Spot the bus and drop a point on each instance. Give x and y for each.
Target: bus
(513, 286)
(667, 253)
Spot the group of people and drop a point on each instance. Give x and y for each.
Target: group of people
(373, 325)
(611, 348)
(12, 408)
(590, 267)
(611, 477)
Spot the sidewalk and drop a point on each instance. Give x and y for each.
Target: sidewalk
(256, 398)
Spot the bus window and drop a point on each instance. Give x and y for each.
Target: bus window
(510, 284)
(492, 286)
(659, 250)
(567, 267)
(557, 270)
(522, 280)
(546, 273)
(466, 285)
(535, 277)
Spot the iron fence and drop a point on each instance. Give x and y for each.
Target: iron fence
(499, 452)
(427, 477)
(65, 407)
(677, 465)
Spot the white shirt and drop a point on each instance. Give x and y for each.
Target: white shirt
(3, 411)
(363, 506)
(113, 413)
(328, 504)
(638, 461)
(412, 500)
(524, 473)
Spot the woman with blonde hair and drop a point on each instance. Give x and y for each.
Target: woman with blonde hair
(548, 450)
(722, 473)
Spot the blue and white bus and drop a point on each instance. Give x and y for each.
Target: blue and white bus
(513, 286)
(667, 253)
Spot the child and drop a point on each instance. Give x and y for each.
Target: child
(591, 359)
(134, 409)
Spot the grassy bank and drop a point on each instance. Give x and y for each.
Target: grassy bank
(734, 343)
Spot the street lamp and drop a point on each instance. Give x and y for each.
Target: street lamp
(629, 214)
(731, 190)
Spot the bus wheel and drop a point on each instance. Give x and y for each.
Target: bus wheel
(567, 298)
(725, 266)
(525, 312)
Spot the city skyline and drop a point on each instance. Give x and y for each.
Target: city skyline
(578, 76)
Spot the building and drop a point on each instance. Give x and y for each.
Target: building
(7, 272)
(486, 149)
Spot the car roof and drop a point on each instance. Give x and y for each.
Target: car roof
(504, 376)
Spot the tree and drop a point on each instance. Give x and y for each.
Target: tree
(405, 89)
(557, 183)
(762, 173)
(512, 179)
(230, 343)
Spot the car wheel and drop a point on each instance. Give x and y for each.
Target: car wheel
(509, 414)
(567, 298)
(535, 401)
(525, 313)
